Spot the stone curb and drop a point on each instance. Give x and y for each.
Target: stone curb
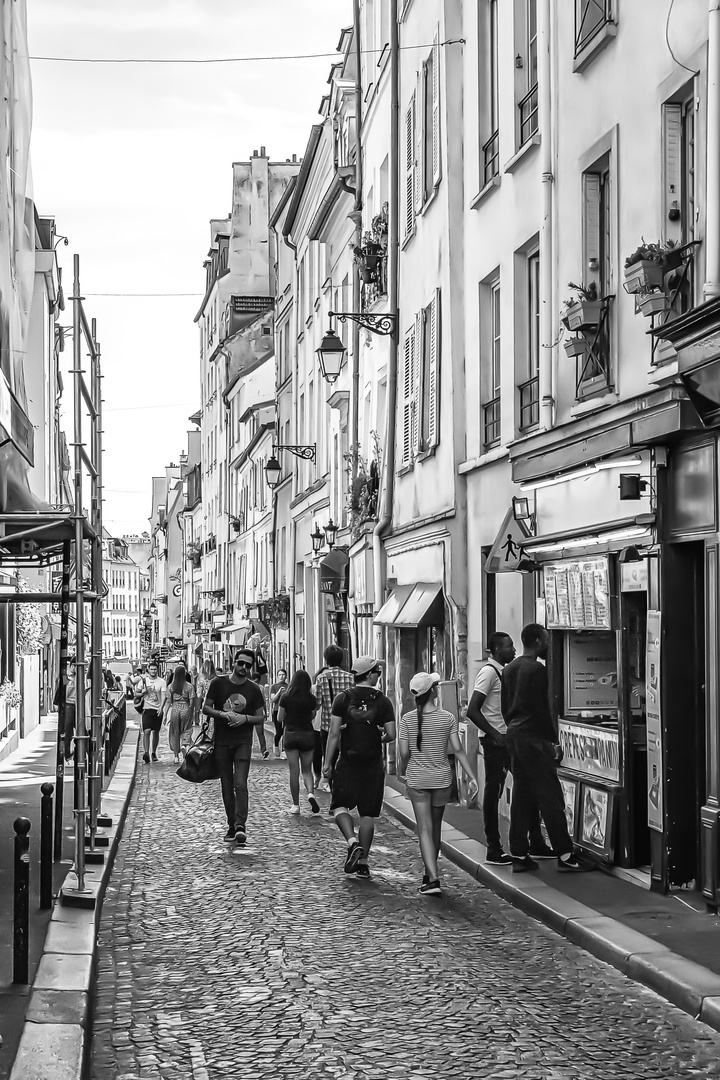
(688, 985)
(55, 1036)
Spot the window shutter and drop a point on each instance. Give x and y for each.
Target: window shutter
(591, 229)
(433, 390)
(672, 168)
(407, 397)
(419, 135)
(436, 171)
(409, 194)
(416, 388)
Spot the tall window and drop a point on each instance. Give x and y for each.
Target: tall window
(679, 192)
(431, 122)
(491, 347)
(420, 384)
(409, 171)
(430, 375)
(491, 148)
(594, 365)
(529, 386)
(528, 106)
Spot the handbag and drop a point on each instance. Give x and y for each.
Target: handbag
(199, 764)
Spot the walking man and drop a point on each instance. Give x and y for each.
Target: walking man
(331, 681)
(362, 720)
(153, 699)
(485, 711)
(532, 741)
(237, 706)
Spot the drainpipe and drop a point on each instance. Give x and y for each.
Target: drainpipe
(711, 288)
(291, 522)
(356, 217)
(546, 382)
(386, 502)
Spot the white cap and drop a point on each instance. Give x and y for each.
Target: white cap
(422, 682)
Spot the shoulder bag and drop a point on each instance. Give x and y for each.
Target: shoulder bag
(199, 764)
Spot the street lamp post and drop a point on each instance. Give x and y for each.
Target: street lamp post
(273, 468)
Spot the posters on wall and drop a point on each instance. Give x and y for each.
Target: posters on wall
(577, 594)
(592, 751)
(654, 722)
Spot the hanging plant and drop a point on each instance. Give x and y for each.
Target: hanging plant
(10, 693)
(28, 623)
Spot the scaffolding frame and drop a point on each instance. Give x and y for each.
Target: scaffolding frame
(72, 537)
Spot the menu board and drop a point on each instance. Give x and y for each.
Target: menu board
(577, 594)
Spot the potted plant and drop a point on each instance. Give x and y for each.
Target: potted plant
(645, 268)
(575, 345)
(652, 303)
(584, 311)
(236, 523)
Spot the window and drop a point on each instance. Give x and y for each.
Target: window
(593, 366)
(529, 387)
(679, 192)
(420, 387)
(408, 430)
(409, 171)
(491, 148)
(490, 360)
(591, 17)
(528, 105)
(431, 122)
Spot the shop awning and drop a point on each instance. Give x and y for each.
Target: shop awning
(236, 633)
(413, 605)
(334, 570)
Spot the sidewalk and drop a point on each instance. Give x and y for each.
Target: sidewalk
(22, 774)
(668, 943)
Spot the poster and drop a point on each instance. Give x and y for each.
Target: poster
(596, 819)
(654, 722)
(569, 790)
(591, 672)
(577, 593)
(592, 751)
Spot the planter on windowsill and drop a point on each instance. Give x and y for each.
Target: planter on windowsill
(575, 346)
(652, 303)
(367, 276)
(642, 275)
(583, 315)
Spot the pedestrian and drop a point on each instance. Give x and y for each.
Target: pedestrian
(532, 737)
(178, 711)
(332, 680)
(276, 691)
(68, 731)
(485, 711)
(260, 677)
(426, 735)
(237, 705)
(362, 719)
(207, 674)
(153, 700)
(296, 710)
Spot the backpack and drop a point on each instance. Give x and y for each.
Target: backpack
(361, 737)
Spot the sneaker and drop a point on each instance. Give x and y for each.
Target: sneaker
(543, 852)
(293, 809)
(576, 865)
(240, 834)
(521, 866)
(229, 836)
(314, 804)
(430, 888)
(146, 759)
(155, 757)
(362, 870)
(354, 855)
(266, 753)
(498, 857)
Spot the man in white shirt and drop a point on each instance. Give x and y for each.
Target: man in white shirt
(485, 712)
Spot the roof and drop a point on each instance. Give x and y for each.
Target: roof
(302, 177)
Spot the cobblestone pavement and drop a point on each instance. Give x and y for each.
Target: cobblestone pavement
(219, 963)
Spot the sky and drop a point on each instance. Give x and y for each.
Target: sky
(133, 160)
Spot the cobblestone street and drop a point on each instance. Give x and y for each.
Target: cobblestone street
(218, 962)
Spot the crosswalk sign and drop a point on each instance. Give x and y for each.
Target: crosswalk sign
(509, 548)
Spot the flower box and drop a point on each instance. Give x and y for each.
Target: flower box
(575, 346)
(652, 303)
(583, 314)
(645, 274)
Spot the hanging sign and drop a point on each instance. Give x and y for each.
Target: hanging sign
(508, 550)
(577, 594)
(654, 722)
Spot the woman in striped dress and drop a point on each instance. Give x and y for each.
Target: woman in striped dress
(426, 736)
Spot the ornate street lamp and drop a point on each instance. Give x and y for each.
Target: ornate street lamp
(273, 471)
(330, 356)
(317, 539)
(331, 531)
(273, 468)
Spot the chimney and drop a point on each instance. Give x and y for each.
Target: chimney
(294, 157)
(262, 152)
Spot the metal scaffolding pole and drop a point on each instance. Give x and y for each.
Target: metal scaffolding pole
(62, 703)
(97, 741)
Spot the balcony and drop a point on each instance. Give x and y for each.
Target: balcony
(491, 423)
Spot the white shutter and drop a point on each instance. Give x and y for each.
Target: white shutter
(433, 390)
(419, 137)
(591, 229)
(672, 169)
(407, 397)
(436, 169)
(409, 179)
(416, 388)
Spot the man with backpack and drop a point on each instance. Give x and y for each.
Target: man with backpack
(330, 682)
(361, 721)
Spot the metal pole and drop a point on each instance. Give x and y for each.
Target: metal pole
(21, 825)
(62, 707)
(46, 838)
(81, 738)
(96, 730)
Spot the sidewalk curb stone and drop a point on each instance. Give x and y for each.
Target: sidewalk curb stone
(682, 982)
(55, 1037)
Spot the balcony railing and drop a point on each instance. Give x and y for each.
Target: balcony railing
(528, 115)
(491, 422)
(491, 157)
(590, 17)
(529, 393)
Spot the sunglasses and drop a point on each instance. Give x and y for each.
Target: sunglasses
(243, 663)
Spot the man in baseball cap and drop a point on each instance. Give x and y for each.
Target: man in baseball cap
(362, 719)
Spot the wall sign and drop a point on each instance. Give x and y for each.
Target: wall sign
(577, 594)
(592, 751)
(654, 722)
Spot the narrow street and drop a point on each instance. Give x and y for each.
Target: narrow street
(217, 962)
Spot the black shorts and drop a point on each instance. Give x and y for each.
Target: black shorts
(151, 720)
(302, 739)
(360, 784)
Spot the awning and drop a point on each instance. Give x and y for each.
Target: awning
(235, 634)
(334, 570)
(413, 605)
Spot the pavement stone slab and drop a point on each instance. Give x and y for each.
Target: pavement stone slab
(63, 971)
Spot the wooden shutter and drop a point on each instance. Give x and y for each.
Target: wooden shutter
(416, 388)
(433, 389)
(436, 171)
(591, 229)
(419, 137)
(406, 433)
(672, 169)
(409, 179)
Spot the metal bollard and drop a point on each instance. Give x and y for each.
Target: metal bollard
(46, 845)
(21, 825)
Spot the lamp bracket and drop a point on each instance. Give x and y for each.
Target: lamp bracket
(383, 324)
(306, 452)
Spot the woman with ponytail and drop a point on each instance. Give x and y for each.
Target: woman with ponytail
(427, 735)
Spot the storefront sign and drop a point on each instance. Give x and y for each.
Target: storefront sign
(654, 722)
(590, 750)
(577, 594)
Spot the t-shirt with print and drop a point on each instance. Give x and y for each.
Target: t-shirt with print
(429, 767)
(227, 696)
(364, 712)
(154, 690)
(488, 682)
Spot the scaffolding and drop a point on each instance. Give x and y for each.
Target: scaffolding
(72, 539)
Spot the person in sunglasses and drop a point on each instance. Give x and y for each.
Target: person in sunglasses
(237, 705)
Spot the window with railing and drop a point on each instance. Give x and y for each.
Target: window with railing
(529, 403)
(492, 343)
(528, 104)
(591, 16)
(528, 107)
(491, 422)
(491, 147)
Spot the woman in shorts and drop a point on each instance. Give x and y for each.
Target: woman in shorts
(296, 709)
(426, 736)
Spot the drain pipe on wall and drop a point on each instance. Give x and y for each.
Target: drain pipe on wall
(546, 362)
(356, 217)
(711, 288)
(386, 503)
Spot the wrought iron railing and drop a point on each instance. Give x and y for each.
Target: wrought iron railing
(529, 393)
(593, 367)
(528, 115)
(590, 17)
(679, 290)
(491, 422)
(491, 157)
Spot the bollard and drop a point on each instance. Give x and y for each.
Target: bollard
(21, 825)
(46, 845)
